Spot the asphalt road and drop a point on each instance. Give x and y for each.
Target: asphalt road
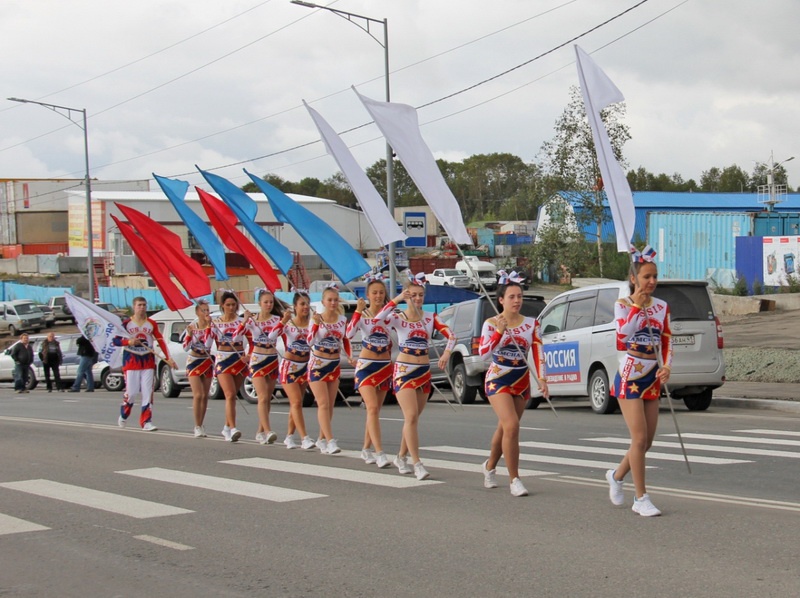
(220, 519)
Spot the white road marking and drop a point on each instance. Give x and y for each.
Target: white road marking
(714, 448)
(775, 432)
(526, 457)
(457, 465)
(12, 525)
(96, 499)
(745, 439)
(535, 429)
(163, 542)
(217, 484)
(621, 452)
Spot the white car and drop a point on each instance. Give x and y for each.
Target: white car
(448, 277)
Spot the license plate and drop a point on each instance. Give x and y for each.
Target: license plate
(684, 339)
(355, 347)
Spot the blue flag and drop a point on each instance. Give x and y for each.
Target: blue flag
(246, 209)
(175, 191)
(345, 261)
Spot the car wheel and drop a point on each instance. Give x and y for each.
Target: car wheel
(112, 381)
(482, 393)
(32, 381)
(698, 402)
(214, 391)
(169, 390)
(308, 398)
(599, 393)
(462, 391)
(248, 391)
(534, 402)
(12, 330)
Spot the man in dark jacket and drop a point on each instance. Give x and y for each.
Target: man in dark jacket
(22, 354)
(51, 356)
(88, 355)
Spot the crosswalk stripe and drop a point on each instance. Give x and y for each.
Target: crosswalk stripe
(775, 432)
(724, 438)
(217, 484)
(96, 499)
(526, 457)
(163, 542)
(621, 452)
(433, 464)
(388, 479)
(12, 525)
(713, 448)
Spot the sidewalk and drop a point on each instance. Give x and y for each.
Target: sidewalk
(759, 395)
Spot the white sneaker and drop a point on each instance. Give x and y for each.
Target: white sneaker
(368, 456)
(321, 444)
(332, 448)
(271, 437)
(235, 434)
(199, 432)
(644, 507)
(290, 442)
(402, 465)
(382, 460)
(226, 434)
(120, 420)
(308, 443)
(149, 427)
(517, 489)
(614, 489)
(489, 476)
(420, 471)
(261, 438)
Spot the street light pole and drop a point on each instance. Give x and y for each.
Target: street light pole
(90, 241)
(772, 191)
(349, 16)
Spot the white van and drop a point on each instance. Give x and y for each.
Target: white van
(475, 269)
(581, 356)
(21, 315)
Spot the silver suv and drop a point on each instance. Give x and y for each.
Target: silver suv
(580, 343)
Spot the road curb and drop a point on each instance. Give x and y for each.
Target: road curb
(766, 404)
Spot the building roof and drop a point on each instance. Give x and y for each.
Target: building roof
(654, 201)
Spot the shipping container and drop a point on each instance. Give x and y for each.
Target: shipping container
(429, 264)
(45, 248)
(776, 224)
(697, 245)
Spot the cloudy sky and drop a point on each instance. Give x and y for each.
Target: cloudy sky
(172, 83)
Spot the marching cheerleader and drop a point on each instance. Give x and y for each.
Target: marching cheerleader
(293, 371)
(643, 332)
(412, 370)
(199, 363)
(264, 360)
(373, 374)
(231, 366)
(508, 384)
(327, 339)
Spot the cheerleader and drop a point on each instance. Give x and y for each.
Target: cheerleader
(264, 360)
(373, 374)
(199, 363)
(643, 331)
(508, 384)
(412, 370)
(293, 371)
(327, 339)
(231, 365)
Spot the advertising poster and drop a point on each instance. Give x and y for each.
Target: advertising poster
(780, 255)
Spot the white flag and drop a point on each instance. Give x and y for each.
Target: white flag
(378, 215)
(598, 92)
(400, 127)
(100, 327)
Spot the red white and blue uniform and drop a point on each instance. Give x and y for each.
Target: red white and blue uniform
(375, 338)
(294, 365)
(327, 340)
(197, 344)
(263, 363)
(413, 338)
(139, 365)
(508, 372)
(636, 378)
(229, 337)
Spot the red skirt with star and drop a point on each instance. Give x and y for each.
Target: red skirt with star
(374, 372)
(293, 372)
(412, 375)
(636, 379)
(501, 379)
(264, 365)
(323, 370)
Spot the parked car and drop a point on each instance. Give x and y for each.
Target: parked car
(49, 317)
(110, 307)
(581, 352)
(448, 277)
(69, 363)
(466, 368)
(478, 272)
(21, 315)
(61, 310)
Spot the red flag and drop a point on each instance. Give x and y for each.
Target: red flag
(173, 297)
(224, 221)
(167, 247)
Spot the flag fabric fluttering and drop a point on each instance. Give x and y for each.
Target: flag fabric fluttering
(246, 210)
(176, 192)
(173, 297)
(598, 93)
(168, 247)
(99, 327)
(345, 262)
(380, 219)
(224, 222)
(400, 126)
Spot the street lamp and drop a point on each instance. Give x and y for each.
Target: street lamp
(771, 191)
(66, 112)
(354, 19)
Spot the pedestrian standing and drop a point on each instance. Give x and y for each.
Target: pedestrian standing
(199, 364)
(88, 355)
(22, 354)
(51, 357)
(643, 332)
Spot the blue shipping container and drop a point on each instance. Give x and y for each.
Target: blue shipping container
(776, 224)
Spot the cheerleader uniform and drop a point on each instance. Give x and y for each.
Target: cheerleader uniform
(636, 378)
(508, 372)
(262, 364)
(197, 344)
(327, 339)
(229, 337)
(374, 337)
(413, 338)
(294, 365)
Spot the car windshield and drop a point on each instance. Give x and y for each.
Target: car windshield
(27, 308)
(451, 272)
(686, 301)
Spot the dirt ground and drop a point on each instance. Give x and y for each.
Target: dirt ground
(763, 347)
